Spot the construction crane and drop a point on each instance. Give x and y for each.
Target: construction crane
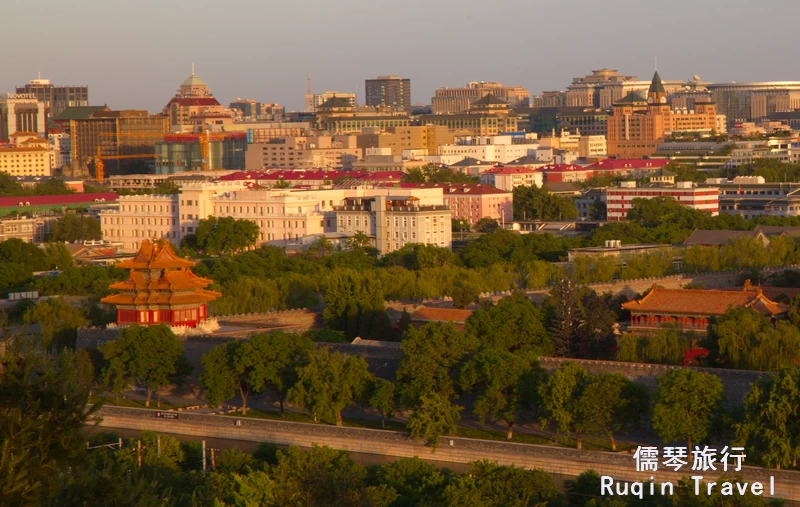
(99, 166)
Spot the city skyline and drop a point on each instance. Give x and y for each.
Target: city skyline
(141, 63)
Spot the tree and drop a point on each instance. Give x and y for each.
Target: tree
(73, 227)
(487, 484)
(435, 416)
(167, 187)
(275, 359)
(611, 403)
(686, 403)
(58, 322)
(52, 186)
(158, 451)
(531, 202)
(43, 416)
(58, 256)
(460, 225)
(428, 361)
(226, 235)
(770, 428)
(486, 224)
(513, 324)
(561, 396)
(329, 383)
(464, 294)
(416, 482)
(497, 375)
(151, 355)
(597, 211)
(324, 476)
(748, 340)
(354, 303)
(566, 318)
(223, 376)
(382, 397)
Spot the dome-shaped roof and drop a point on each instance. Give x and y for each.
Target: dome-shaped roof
(193, 81)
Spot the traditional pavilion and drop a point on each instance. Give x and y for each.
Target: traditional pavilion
(161, 289)
(692, 309)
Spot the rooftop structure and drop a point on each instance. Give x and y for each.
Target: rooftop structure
(691, 309)
(161, 289)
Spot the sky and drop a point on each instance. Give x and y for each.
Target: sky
(133, 54)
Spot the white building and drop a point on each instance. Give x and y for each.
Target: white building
(396, 221)
(502, 149)
(282, 215)
(60, 145)
(507, 178)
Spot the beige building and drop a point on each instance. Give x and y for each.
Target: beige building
(401, 139)
(29, 156)
(282, 215)
(395, 221)
(604, 87)
(194, 107)
(456, 100)
(304, 152)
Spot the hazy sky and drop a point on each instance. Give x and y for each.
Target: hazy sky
(134, 54)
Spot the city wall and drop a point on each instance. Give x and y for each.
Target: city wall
(557, 460)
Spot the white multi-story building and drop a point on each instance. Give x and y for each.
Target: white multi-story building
(502, 149)
(507, 178)
(395, 221)
(60, 146)
(618, 200)
(282, 215)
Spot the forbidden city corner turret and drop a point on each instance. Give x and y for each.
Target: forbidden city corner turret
(160, 289)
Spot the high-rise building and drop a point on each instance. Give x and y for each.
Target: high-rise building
(21, 112)
(389, 91)
(457, 100)
(754, 102)
(129, 133)
(56, 98)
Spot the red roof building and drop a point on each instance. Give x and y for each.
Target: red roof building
(628, 166)
(314, 178)
(566, 173)
(692, 309)
(423, 315)
(473, 201)
(508, 178)
(161, 289)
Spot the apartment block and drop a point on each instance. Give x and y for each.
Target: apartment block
(395, 221)
(282, 215)
(618, 200)
(295, 152)
(389, 91)
(508, 178)
(456, 100)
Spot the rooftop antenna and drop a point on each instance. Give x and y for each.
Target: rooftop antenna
(40, 74)
(193, 68)
(656, 62)
(308, 84)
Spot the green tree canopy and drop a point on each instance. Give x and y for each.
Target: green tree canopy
(514, 323)
(532, 202)
(225, 235)
(273, 360)
(746, 339)
(43, 413)
(75, 227)
(487, 484)
(497, 375)
(685, 405)
(58, 322)
(329, 383)
(771, 425)
(430, 355)
(354, 303)
(151, 355)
